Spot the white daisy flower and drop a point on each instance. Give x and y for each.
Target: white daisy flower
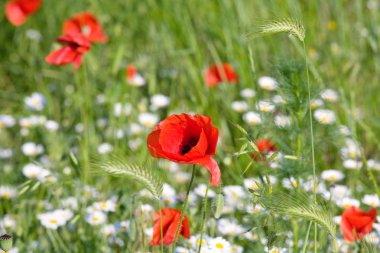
(219, 245)
(35, 102)
(252, 118)
(329, 95)
(316, 103)
(282, 121)
(159, 101)
(105, 206)
(277, 250)
(340, 191)
(233, 195)
(7, 192)
(31, 170)
(332, 175)
(51, 125)
(181, 250)
(8, 222)
(279, 100)
(96, 218)
(352, 164)
(148, 119)
(268, 83)
(236, 249)
(7, 121)
(348, 202)
(372, 164)
(247, 93)
(108, 230)
(169, 195)
(122, 226)
(52, 220)
(325, 117)
(239, 106)
(265, 106)
(200, 190)
(32, 149)
(252, 183)
(229, 227)
(344, 130)
(70, 202)
(105, 148)
(371, 200)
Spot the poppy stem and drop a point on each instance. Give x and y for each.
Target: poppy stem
(183, 209)
(203, 218)
(161, 228)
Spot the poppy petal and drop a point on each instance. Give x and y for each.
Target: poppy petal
(213, 168)
(14, 13)
(61, 56)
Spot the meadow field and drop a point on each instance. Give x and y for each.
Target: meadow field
(213, 126)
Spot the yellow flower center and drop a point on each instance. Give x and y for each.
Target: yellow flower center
(52, 221)
(219, 245)
(332, 177)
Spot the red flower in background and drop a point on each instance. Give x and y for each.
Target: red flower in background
(74, 46)
(218, 73)
(264, 146)
(133, 77)
(170, 221)
(357, 223)
(87, 24)
(186, 139)
(18, 11)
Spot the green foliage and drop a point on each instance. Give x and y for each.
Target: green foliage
(299, 205)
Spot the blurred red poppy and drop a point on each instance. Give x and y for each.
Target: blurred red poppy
(131, 72)
(87, 24)
(133, 77)
(264, 146)
(357, 223)
(18, 11)
(218, 73)
(170, 221)
(186, 139)
(75, 45)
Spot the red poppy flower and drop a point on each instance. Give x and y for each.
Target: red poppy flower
(87, 24)
(17, 11)
(170, 219)
(75, 45)
(357, 223)
(265, 146)
(131, 72)
(220, 73)
(186, 139)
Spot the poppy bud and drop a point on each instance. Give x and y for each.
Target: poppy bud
(6, 242)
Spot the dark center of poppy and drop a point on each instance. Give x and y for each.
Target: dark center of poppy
(187, 146)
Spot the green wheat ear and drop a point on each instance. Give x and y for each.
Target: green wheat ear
(287, 25)
(300, 206)
(118, 166)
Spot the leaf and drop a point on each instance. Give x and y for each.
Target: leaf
(117, 166)
(241, 129)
